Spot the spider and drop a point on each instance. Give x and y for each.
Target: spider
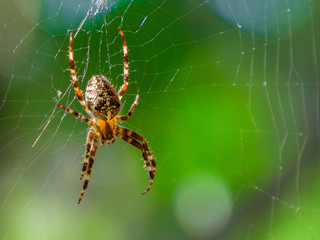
(102, 104)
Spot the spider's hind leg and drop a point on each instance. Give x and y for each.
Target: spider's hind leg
(93, 151)
(133, 138)
(90, 137)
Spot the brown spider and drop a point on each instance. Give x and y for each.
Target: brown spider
(103, 104)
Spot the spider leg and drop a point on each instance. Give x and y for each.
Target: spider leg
(125, 67)
(111, 141)
(91, 160)
(75, 79)
(90, 137)
(78, 115)
(133, 138)
(124, 118)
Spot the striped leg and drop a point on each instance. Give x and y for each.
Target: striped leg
(78, 115)
(90, 136)
(133, 138)
(91, 160)
(145, 145)
(125, 67)
(75, 79)
(124, 118)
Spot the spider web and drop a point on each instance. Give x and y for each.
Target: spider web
(229, 104)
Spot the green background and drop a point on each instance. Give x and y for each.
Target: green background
(229, 104)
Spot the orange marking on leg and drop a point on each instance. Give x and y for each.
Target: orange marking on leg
(79, 94)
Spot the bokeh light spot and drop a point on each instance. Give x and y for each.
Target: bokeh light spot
(202, 204)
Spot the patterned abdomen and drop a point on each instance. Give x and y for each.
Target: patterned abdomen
(101, 98)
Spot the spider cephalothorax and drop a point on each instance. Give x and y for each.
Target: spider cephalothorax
(103, 104)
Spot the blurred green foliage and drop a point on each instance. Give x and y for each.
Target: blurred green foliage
(231, 114)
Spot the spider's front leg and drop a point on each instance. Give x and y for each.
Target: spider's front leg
(124, 118)
(124, 87)
(92, 153)
(75, 79)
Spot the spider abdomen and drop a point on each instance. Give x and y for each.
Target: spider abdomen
(101, 98)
